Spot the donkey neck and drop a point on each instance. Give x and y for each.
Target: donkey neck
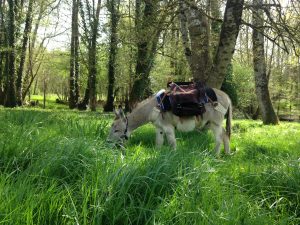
(140, 115)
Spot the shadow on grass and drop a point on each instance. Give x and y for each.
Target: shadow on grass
(194, 141)
(262, 154)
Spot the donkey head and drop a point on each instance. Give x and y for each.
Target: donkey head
(119, 129)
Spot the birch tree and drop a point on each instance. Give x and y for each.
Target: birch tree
(260, 69)
(74, 57)
(207, 67)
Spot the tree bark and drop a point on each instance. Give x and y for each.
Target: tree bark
(259, 63)
(90, 39)
(2, 54)
(146, 49)
(29, 78)
(212, 72)
(198, 55)
(74, 58)
(184, 32)
(228, 36)
(114, 12)
(93, 59)
(10, 91)
(27, 29)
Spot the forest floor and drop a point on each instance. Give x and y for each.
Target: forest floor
(56, 168)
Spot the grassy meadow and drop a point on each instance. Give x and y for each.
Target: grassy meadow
(56, 168)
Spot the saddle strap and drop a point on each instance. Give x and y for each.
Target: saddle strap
(220, 108)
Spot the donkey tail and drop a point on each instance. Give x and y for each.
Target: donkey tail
(229, 119)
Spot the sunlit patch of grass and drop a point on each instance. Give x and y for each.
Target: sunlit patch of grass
(56, 168)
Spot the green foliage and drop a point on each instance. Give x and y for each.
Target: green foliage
(243, 80)
(229, 86)
(56, 168)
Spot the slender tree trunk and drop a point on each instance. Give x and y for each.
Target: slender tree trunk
(93, 59)
(141, 80)
(85, 101)
(146, 49)
(2, 54)
(29, 78)
(10, 91)
(92, 78)
(261, 80)
(113, 8)
(248, 49)
(35, 87)
(184, 32)
(228, 36)
(74, 58)
(27, 29)
(44, 92)
(198, 54)
(183, 29)
(91, 35)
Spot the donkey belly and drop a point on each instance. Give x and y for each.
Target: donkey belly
(186, 125)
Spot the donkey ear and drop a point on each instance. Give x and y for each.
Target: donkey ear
(117, 114)
(121, 112)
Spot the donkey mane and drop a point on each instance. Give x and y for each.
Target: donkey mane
(140, 106)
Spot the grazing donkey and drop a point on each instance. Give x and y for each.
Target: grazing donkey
(166, 122)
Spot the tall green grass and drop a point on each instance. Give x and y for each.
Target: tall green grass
(56, 168)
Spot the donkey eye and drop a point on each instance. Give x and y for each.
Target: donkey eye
(116, 131)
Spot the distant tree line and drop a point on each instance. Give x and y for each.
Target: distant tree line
(143, 44)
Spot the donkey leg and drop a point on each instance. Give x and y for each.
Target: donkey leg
(170, 133)
(218, 133)
(159, 137)
(226, 142)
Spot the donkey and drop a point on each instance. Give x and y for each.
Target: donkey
(166, 122)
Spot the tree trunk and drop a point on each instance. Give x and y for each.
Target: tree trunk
(113, 8)
(2, 54)
(10, 91)
(93, 59)
(184, 32)
(228, 36)
(29, 78)
(44, 92)
(27, 29)
(198, 55)
(74, 58)
(141, 80)
(92, 77)
(146, 49)
(202, 67)
(90, 38)
(85, 101)
(259, 63)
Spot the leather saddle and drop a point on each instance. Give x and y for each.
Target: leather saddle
(186, 98)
